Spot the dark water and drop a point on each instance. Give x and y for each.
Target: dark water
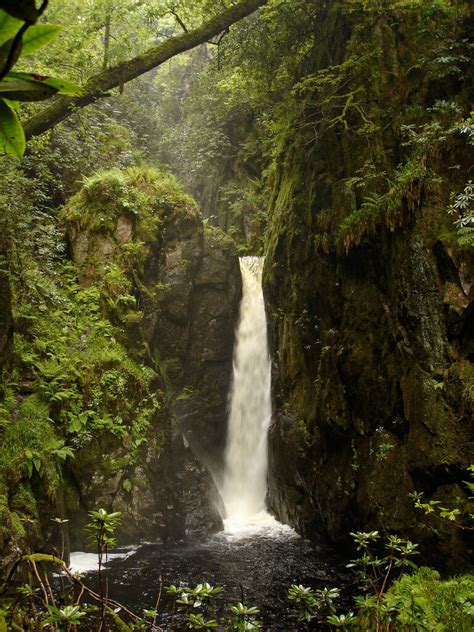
(258, 569)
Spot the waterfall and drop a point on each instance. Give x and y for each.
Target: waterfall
(245, 477)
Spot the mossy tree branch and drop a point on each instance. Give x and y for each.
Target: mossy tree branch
(110, 78)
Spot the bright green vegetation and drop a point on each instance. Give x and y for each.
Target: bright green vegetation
(426, 602)
(142, 192)
(81, 369)
(82, 383)
(421, 601)
(418, 599)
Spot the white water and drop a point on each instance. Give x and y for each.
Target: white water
(245, 477)
(81, 562)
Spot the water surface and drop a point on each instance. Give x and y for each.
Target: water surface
(255, 563)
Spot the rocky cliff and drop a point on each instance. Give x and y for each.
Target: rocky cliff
(186, 285)
(123, 369)
(369, 289)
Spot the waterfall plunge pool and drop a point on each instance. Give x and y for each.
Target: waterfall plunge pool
(254, 562)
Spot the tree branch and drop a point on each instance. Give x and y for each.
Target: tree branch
(179, 21)
(126, 71)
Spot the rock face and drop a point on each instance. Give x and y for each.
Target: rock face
(194, 336)
(187, 289)
(372, 332)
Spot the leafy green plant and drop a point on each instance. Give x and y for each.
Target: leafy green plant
(375, 572)
(343, 621)
(102, 527)
(69, 615)
(421, 601)
(462, 205)
(20, 36)
(243, 617)
(198, 622)
(460, 515)
(314, 603)
(203, 597)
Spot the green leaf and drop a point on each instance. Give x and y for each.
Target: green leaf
(22, 9)
(37, 36)
(61, 85)
(15, 105)
(9, 27)
(75, 425)
(12, 136)
(22, 90)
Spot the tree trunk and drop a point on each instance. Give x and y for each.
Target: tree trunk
(126, 71)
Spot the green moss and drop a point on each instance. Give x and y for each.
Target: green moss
(23, 501)
(16, 526)
(299, 439)
(11, 527)
(460, 383)
(144, 194)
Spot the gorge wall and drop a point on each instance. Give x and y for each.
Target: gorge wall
(124, 382)
(186, 284)
(370, 295)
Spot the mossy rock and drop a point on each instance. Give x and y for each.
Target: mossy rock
(144, 194)
(118, 215)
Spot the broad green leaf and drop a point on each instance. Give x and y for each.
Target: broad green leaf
(22, 9)
(9, 27)
(12, 136)
(15, 105)
(61, 85)
(22, 90)
(37, 36)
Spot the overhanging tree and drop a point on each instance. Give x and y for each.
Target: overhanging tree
(98, 85)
